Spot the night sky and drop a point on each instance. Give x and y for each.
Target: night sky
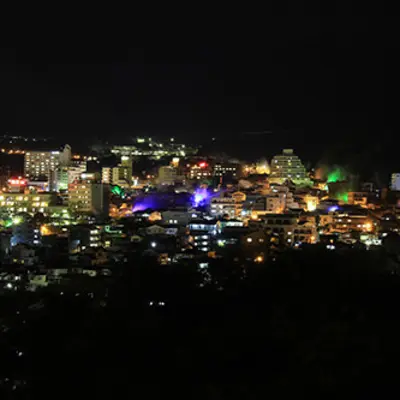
(321, 85)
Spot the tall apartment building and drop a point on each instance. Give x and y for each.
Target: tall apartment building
(38, 164)
(167, 175)
(61, 177)
(120, 175)
(287, 166)
(89, 197)
(395, 184)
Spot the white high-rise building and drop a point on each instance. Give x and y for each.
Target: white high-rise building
(76, 170)
(395, 182)
(38, 164)
(65, 156)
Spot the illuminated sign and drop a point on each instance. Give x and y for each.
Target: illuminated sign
(17, 181)
(203, 164)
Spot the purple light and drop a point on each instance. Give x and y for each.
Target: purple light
(200, 196)
(333, 208)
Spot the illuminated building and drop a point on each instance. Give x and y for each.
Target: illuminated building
(239, 197)
(287, 166)
(203, 233)
(62, 176)
(395, 183)
(311, 202)
(85, 236)
(277, 201)
(120, 175)
(225, 206)
(125, 169)
(38, 164)
(291, 229)
(89, 197)
(199, 171)
(58, 179)
(153, 149)
(225, 170)
(167, 175)
(262, 167)
(16, 184)
(76, 170)
(231, 206)
(352, 221)
(30, 203)
(116, 176)
(358, 199)
(65, 156)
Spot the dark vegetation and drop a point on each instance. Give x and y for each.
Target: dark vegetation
(308, 322)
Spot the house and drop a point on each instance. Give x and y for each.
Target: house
(24, 254)
(155, 230)
(178, 217)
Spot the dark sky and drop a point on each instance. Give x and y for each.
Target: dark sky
(317, 83)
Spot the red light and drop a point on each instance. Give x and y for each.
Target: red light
(17, 182)
(203, 164)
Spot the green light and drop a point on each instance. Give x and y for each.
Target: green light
(337, 175)
(343, 197)
(8, 223)
(117, 190)
(16, 220)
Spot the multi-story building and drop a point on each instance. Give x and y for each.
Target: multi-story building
(221, 206)
(89, 197)
(167, 175)
(200, 171)
(352, 221)
(58, 179)
(175, 217)
(38, 164)
(395, 184)
(291, 228)
(277, 201)
(203, 233)
(116, 176)
(84, 236)
(62, 176)
(358, 198)
(231, 206)
(287, 166)
(28, 202)
(120, 175)
(226, 170)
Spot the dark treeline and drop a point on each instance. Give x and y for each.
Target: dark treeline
(311, 321)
